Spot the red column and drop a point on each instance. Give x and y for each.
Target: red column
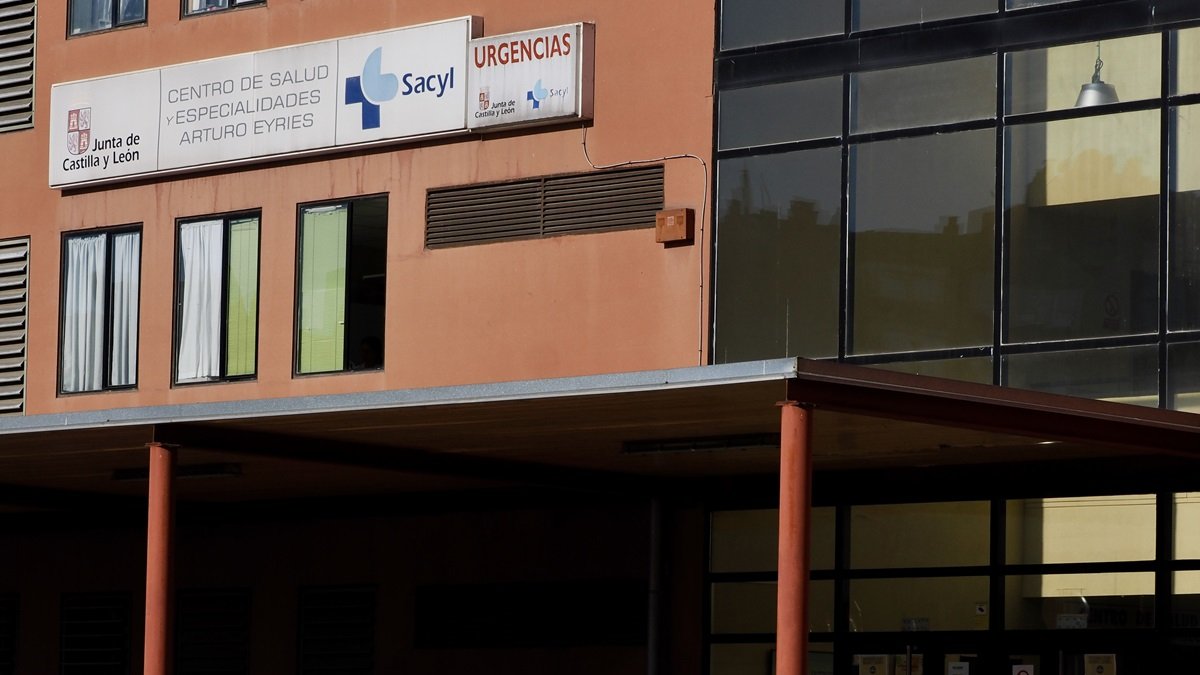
(159, 523)
(795, 508)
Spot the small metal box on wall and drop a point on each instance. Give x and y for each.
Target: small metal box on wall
(674, 226)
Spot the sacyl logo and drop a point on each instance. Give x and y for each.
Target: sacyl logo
(372, 88)
(539, 94)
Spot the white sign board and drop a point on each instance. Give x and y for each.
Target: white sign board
(372, 88)
(532, 77)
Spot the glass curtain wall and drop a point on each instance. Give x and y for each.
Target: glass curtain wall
(1024, 216)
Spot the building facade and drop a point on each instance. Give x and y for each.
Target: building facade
(450, 338)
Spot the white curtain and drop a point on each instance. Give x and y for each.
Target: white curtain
(83, 314)
(126, 263)
(200, 264)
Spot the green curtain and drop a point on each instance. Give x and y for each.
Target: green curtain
(323, 288)
(241, 319)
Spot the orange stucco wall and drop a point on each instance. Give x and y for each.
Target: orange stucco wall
(573, 305)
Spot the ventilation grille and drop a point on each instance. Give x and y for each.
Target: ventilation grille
(14, 306)
(8, 634)
(541, 207)
(16, 64)
(213, 632)
(95, 634)
(337, 631)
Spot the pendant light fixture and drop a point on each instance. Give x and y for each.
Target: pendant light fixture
(1096, 92)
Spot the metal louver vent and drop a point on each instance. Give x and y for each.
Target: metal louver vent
(540, 207)
(16, 64)
(95, 634)
(212, 635)
(14, 311)
(337, 631)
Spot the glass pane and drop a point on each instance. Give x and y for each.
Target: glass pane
(90, 15)
(1183, 377)
(973, 369)
(1071, 601)
(1183, 311)
(936, 93)
(1083, 245)
(749, 607)
(939, 603)
(322, 288)
(1053, 78)
(1186, 540)
(85, 294)
(923, 242)
(748, 541)
(1080, 529)
(1186, 610)
(778, 232)
(123, 322)
(745, 23)
(1186, 61)
(367, 284)
(777, 113)
(241, 319)
(940, 534)
(759, 659)
(1121, 374)
(200, 265)
(871, 14)
(132, 11)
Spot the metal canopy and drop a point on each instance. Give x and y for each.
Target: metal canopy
(632, 432)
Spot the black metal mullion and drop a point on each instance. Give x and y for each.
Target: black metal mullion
(1164, 539)
(222, 349)
(1000, 219)
(779, 148)
(845, 240)
(923, 355)
(997, 557)
(922, 131)
(1166, 214)
(842, 658)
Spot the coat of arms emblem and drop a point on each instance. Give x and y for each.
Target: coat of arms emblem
(484, 98)
(79, 130)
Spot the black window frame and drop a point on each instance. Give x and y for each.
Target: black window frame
(177, 316)
(185, 13)
(1001, 34)
(109, 233)
(350, 203)
(115, 5)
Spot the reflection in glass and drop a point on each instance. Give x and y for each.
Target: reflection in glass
(1104, 600)
(749, 607)
(745, 23)
(870, 14)
(1183, 311)
(1186, 608)
(1051, 78)
(1186, 61)
(974, 369)
(1186, 540)
(1121, 374)
(937, 603)
(1083, 244)
(777, 113)
(935, 93)
(941, 534)
(1183, 378)
(1079, 529)
(778, 232)
(923, 220)
(748, 540)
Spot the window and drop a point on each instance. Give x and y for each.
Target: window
(88, 16)
(96, 633)
(216, 298)
(191, 7)
(101, 274)
(340, 286)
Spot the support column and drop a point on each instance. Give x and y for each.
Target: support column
(795, 510)
(159, 523)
